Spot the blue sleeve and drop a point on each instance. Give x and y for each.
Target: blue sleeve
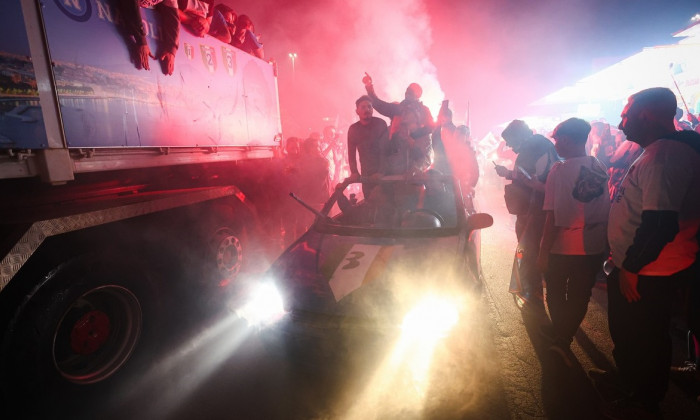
(252, 40)
(218, 23)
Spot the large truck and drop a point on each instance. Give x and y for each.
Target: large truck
(122, 190)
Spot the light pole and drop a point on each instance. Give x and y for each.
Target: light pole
(293, 56)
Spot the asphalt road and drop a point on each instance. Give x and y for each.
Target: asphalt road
(494, 366)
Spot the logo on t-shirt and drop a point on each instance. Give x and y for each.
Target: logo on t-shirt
(589, 185)
(620, 194)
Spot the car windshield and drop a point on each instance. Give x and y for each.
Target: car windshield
(425, 203)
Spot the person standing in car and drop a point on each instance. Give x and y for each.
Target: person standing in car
(367, 138)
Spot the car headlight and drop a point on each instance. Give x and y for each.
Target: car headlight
(433, 317)
(264, 306)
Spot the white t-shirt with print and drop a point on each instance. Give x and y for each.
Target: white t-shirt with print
(665, 177)
(582, 225)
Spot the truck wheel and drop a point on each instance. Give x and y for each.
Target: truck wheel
(217, 249)
(79, 326)
(230, 246)
(224, 256)
(225, 248)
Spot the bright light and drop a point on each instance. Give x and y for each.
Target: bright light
(293, 56)
(432, 318)
(404, 382)
(264, 306)
(588, 110)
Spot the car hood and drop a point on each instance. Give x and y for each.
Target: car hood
(367, 278)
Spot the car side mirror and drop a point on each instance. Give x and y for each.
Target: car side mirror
(479, 221)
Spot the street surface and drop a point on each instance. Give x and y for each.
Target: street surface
(495, 366)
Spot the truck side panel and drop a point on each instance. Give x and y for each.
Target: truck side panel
(218, 96)
(21, 122)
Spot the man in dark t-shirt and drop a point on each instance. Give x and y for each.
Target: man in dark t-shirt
(367, 137)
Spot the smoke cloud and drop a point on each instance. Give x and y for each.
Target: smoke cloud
(336, 42)
(490, 59)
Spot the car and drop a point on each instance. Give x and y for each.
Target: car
(399, 261)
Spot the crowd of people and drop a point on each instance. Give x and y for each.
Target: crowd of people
(200, 17)
(626, 204)
(412, 143)
(592, 203)
(624, 201)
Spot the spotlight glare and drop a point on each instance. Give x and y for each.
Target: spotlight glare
(432, 318)
(264, 306)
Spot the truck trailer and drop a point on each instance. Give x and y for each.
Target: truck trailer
(124, 191)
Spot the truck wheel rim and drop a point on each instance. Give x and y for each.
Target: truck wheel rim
(90, 332)
(97, 334)
(229, 254)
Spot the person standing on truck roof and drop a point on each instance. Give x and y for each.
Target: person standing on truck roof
(169, 36)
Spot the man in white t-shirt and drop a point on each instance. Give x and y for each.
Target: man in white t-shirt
(652, 232)
(577, 205)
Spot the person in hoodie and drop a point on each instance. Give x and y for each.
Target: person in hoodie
(653, 236)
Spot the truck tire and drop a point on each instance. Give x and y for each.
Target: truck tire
(221, 255)
(218, 252)
(233, 242)
(78, 327)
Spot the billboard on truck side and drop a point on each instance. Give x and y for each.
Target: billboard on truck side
(218, 95)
